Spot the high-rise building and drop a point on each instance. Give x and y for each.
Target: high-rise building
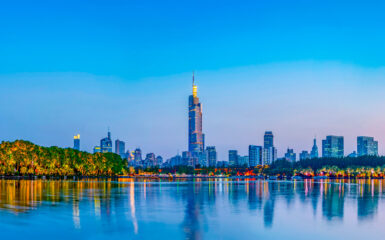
(203, 159)
(106, 144)
(211, 156)
(314, 149)
(138, 156)
(243, 161)
(255, 155)
(290, 155)
(304, 155)
(150, 160)
(97, 149)
(159, 161)
(187, 159)
(269, 153)
(120, 148)
(366, 146)
(233, 158)
(333, 146)
(195, 135)
(77, 142)
(268, 140)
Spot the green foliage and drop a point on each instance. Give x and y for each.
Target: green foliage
(25, 158)
(342, 163)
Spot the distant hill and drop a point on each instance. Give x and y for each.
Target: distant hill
(25, 158)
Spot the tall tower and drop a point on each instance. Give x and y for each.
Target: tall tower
(314, 150)
(77, 142)
(195, 135)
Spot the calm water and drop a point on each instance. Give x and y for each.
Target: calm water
(217, 209)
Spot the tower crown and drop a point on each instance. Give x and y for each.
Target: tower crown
(194, 87)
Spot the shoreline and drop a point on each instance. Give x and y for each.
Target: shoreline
(155, 177)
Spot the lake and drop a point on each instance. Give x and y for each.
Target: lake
(198, 209)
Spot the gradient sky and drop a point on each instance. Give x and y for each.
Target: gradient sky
(298, 68)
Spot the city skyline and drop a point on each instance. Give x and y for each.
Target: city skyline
(289, 72)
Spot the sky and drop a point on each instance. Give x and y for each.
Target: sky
(302, 69)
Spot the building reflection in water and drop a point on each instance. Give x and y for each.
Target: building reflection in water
(114, 203)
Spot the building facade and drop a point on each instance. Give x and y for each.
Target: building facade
(366, 146)
(77, 142)
(106, 144)
(290, 155)
(233, 158)
(195, 135)
(211, 156)
(333, 146)
(304, 155)
(138, 156)
(255, 155)
(314, 149)
(120, 148)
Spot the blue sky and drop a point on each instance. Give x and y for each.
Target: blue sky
(299, 68)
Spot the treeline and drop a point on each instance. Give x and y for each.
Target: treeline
(317, 165)
(364, 161)
(22, 158)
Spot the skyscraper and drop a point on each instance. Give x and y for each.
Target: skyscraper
(77, 142)
(314, 150)
(233, 158)
(150, 160)
(137, 156)
(268, 139)
(269, 151)
(290, 155)
(366, 146)
(159, 161)
(333, 146)
(195, 135)
(120, 148)
(106, 144)
(212, 156)
(255, 155)
(304, 155)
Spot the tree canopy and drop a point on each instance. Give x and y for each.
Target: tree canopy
(25, 158)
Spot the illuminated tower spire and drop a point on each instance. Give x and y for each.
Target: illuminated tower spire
(196, 137)
(195, 88)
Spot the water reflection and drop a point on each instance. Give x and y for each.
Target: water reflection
(195, 208)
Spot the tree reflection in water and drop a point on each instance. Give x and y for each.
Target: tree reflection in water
(125, 205)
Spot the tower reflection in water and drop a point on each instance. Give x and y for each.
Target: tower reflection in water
(122, 206)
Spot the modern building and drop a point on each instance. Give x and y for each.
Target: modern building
(138, 156)
(366, 146)
(314, 149)
(255, 155)
(222, 164)
(106, 144)
(243, 161)
(233, 158)
(203, 159)
(290, 155)
(175, 161)
(120, 148)
(195, 135)
(269, 154)
(268, 140)
(77, 142)
(211, 156)
(333, 146)
(305, 155)
(97, 149)
(150, 160)
(159, 161)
